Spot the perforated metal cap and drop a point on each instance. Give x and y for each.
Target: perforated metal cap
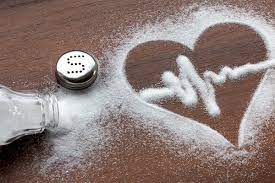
(76, 70)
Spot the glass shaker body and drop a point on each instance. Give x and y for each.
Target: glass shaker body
(25, 114)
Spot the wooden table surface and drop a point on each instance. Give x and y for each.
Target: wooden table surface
(34, 33)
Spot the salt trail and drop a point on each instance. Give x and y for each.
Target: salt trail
(189, 84)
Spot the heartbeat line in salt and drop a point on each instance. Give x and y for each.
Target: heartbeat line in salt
(189, 86)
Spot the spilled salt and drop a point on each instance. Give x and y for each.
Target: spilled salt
(189, 78)
(186, 94)
(82, 114)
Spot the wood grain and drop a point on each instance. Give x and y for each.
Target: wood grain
(34, 33)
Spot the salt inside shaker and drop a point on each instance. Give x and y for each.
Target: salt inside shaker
(25, 113)
(30, 113)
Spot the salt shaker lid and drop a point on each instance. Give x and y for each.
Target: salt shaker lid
(76, 70)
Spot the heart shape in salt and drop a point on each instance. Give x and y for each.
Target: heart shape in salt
(222, 45)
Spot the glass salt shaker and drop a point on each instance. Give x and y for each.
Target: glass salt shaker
(26, 113)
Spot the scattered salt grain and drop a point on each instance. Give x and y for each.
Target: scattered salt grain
(82, 112)
(183, 88)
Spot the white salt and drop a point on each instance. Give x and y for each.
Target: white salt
(186, 95)
(189, 78)
(156, 94)
(84, 112)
